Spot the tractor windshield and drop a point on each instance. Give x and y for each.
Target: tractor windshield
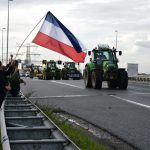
(104, 55)
(51, 65)
(71, 65)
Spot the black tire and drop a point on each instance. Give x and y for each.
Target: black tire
(76, 78)
(96, 79)
(87, 78)
(58, 76)
(65, 76)
(49, 77)
(112, 84)
(123, 80)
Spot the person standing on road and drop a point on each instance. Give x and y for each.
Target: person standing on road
(4, 84)
(44, 70)
(15, 80)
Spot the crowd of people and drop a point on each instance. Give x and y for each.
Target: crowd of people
(9, 80)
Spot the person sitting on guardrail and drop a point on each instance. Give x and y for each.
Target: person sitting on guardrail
(15, 80)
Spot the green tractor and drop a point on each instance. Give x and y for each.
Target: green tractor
(103, 66)
(50, 70)
(70, 71)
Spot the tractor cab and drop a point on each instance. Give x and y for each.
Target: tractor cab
(70, 65)
(51, 65)
(102, 53)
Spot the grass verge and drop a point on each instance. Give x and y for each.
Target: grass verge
(76, 134)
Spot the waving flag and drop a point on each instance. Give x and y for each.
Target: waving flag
(55, 36)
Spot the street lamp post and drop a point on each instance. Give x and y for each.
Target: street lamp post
(2, 43)
(7, 33)
(116, 38)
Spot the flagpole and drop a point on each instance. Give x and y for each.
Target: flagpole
(28, 36)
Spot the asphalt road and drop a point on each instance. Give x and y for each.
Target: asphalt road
(125, 113)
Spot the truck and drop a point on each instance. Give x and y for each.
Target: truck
(103, 66)
(70, 71)
(50, 70)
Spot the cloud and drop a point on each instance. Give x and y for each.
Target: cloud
(117, 12)
(144, 44)
(92, 21)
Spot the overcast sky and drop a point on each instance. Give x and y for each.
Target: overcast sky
(92, 21)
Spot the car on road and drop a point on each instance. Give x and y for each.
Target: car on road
(27, 74)
(22, 74)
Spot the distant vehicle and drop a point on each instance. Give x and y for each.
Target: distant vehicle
(22, 74)
(50, 70)
(70, 71)
(27, 74)
(36, 71)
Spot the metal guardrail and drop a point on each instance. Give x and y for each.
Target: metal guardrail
(140, 78)
(25, 127)
(4, 137)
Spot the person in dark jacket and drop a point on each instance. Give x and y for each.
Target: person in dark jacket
(15, 80)
(4, 84)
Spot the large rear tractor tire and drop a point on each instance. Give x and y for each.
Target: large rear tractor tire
(87, 78)
(123, 80)
(96, 79)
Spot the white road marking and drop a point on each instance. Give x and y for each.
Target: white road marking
(68, 84)
(132, 102)
(60, 96)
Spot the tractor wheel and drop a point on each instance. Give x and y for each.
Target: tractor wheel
(123, 80)
(87, 78)
(76, 78)
(96, 79)
(65, 76)
(62, 76)
(58, 76)
(112, 84)
(49, 78)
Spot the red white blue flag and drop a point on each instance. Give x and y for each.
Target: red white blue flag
(55, 36)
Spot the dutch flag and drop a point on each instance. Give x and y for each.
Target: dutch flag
(55, 36)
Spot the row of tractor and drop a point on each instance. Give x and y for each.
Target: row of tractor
(50, 70)
(103, 66)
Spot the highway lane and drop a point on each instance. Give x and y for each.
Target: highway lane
(124, 113)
